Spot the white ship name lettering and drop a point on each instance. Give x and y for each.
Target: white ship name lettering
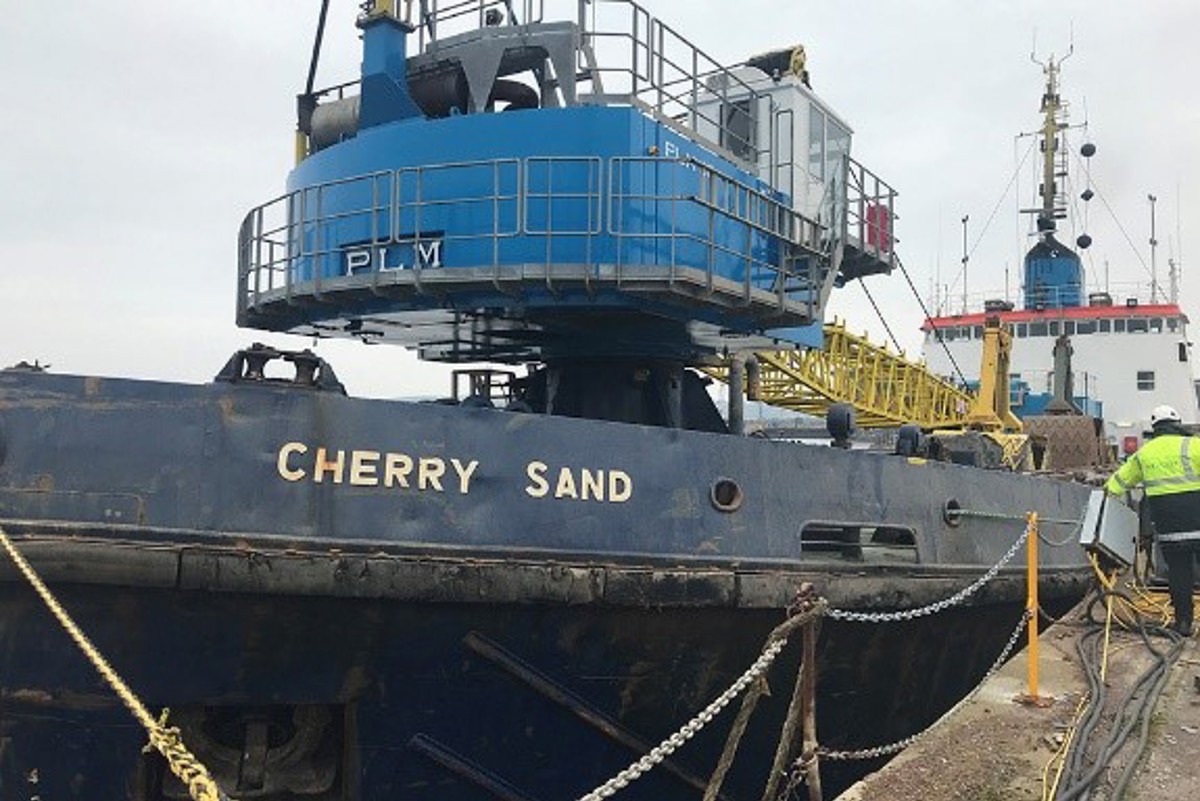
(584, 484)
(364, 468)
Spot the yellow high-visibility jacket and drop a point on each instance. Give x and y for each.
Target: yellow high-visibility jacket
(1166, 465)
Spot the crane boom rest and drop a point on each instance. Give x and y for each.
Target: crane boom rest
(992, 436)
(991, 409)
(978, 429)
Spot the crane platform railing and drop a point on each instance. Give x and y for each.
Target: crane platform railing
(884, 387)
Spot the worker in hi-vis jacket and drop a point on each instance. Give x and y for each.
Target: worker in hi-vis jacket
(1168, 466)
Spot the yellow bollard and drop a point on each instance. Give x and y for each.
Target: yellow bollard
(1031, 601)
(1030, 696)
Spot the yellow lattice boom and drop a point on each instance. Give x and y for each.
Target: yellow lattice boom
(884, 388)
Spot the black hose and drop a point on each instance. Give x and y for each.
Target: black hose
(1080, 773)
(1144, 734)
(1073, 766)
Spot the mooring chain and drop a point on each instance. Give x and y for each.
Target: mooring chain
(777, 640)
(936, 606)
(165, 739)
(899, 745)
(775, 643)
(201, 786)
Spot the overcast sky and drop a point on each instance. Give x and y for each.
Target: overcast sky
(135, 135)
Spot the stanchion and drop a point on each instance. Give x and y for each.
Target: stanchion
(1031, 612)
(809, 680)
(1031, 601)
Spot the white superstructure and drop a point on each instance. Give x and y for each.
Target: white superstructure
(1131, 357)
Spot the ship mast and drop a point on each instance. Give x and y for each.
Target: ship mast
(1053, 272)
(1052, 108)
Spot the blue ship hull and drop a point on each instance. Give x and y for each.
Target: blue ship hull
(482, 631)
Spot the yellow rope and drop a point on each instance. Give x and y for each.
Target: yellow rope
(166, 739)
(1153, 606)
(1060, 755)
(1108, 621)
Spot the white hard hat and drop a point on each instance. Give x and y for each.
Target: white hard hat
(1164, 414)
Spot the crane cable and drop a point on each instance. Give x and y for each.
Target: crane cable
(1120, 226)
(316, 49)
(879, 314)
(995, 209)
(929, 318)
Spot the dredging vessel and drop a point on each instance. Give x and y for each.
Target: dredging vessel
(513, 595)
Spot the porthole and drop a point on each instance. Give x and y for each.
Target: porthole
(726, 495)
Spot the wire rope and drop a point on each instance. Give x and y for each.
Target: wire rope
(929, 318)
(1120, 226)
(879, 314)
(995, 209)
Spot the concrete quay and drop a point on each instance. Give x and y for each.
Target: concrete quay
(996, 747)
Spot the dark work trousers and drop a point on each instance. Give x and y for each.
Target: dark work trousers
(1181, 575)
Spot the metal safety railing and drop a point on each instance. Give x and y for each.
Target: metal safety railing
(639, 58)
(562, 203)
(435, 20)
(295, 228)
(472, 205)
(870, 213)
(735, 234)
(627, 55)
(618, 220)
(302, 240)
(1130, 295)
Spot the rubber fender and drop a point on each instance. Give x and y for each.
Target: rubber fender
(909, 441)
(839, 421)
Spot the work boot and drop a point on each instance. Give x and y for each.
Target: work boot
(1184, 627)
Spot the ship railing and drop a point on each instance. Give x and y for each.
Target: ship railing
(1130, 295)
(741, 231)
(951, 303)
(338, 91)
(628, 56)
(640, 59)
(673, 223)
(1041, 382)
(434, 20)
(870, 214)
(294, 229)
